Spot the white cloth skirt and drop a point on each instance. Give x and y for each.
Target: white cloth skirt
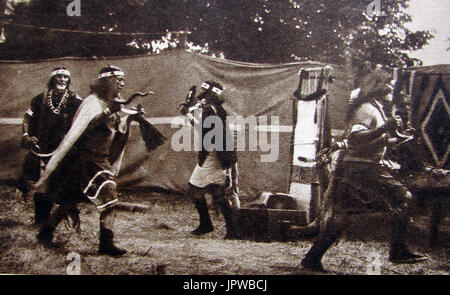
(209, 173)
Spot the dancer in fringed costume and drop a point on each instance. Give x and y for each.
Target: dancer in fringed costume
(90, 156)
(359, 183)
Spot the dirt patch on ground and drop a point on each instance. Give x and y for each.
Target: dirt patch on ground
(159, 242)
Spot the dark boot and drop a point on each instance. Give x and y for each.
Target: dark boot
(399, 252)
(107, 246)
(326, 238)
(230, 216)
(45, 235)
(42, 207)
(205, 220)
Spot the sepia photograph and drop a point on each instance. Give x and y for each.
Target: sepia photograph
(225, 143)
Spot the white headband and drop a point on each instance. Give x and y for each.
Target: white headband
(213, 88)
(110, 74)
(60, 72)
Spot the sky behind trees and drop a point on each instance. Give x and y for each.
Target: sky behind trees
(270, 31)
(432, 15)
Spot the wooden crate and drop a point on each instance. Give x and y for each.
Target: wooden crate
(262, 224)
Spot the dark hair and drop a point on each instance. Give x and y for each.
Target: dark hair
(110, 68)
(210, 96)
(101, 87)
(215, 84)
(373, 86)
(51, 82)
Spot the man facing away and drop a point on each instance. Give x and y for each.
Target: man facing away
(359, 183)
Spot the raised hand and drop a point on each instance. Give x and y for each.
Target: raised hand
(29, 142)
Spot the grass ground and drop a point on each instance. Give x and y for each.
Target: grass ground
(159, 242)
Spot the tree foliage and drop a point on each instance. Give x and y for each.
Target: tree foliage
(271, 31)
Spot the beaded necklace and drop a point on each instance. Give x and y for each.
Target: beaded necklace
(57, 110)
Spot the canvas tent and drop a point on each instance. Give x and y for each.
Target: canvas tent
(260, 90)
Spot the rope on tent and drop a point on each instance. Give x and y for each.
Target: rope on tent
(90, 32)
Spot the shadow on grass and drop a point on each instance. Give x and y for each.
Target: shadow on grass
(11, 182)
(378, 228)
(8, 223)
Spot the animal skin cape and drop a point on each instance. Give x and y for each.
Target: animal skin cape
(88, 110)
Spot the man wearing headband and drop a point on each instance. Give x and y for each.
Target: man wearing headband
(96, 144)
(44, 125)
(216, 171)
